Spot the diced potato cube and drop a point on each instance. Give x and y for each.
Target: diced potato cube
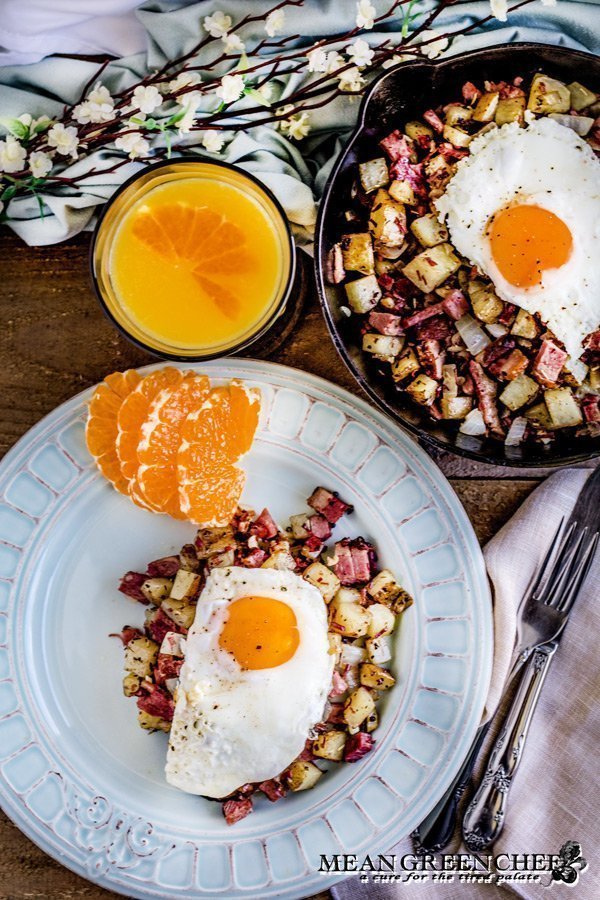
(180, 611)
(539, 416)
(348, 619)
(348, 595)
(512, 109)
(383, 346)
(335, 645)
(423, 389)
(450, 380)
(432, 267)
(402, 192)
(456, 136)
(456, 114)
(486, 106)
(581, 97)
(297, 524)
(415, 130)
(363, 294)
(330, 745)
(519, 392)
(156, 589)
(595, 378)
(280, 558)
(189, 558)
(455, 407)
(131, 684)
(373, 174)
(357, 253)
(387, 221)
(376, 677)
(303, 775)
(213, 540)
(372, 722)
(563, 407)
(385, 589)
(486, 304)
(405, 366)
(186, 585)
(140, 655)
(381, 620)
(359, 705)
(524, 326)
(378, 649)
(222, 560)
(152, 723)
(428, 231)
(548, 95)
(323, 578)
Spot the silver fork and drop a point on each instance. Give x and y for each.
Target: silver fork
(554, 596)
(538, 623)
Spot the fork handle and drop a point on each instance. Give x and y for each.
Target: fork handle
(484, 819)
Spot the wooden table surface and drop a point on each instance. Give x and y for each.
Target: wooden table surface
(54, 342)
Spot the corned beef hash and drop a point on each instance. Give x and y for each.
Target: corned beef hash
(263, 653)
(471, 260)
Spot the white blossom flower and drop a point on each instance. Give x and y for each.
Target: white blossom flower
(231, 88)
(351, 80)
(297, 127)
(133, 144)
(64, 140)
(499, 9)
(100, 94)
(435, 47)
(365, 14)
(335, 61)
(233, 43)
(98, 106)
(190, 103)
(146, 98)
(317, 60)
(218, 24)
(396, 59)
(184, 79)
(274, 22)
(39, 164)
(213, 140)
(25, 119)
(360, 53)
(12, 155)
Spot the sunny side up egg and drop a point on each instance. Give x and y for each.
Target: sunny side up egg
(524, 207)
(255, 680)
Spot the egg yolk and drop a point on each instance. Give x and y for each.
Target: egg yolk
(526, 240)
(260, 632)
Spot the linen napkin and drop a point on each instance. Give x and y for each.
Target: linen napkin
(295, 173)
(556, 795)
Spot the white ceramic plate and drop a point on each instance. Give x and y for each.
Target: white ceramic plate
(80, 778)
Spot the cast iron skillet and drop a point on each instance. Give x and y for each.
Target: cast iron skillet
(395, 97)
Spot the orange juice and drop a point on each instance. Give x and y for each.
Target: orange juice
(195, 261)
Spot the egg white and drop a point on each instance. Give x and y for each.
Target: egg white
(233, 726)
(548, 165)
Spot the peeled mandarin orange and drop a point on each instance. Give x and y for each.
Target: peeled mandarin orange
(206, 242)
(101, 427)
(133, 413)
(214, 437)
(156, 477)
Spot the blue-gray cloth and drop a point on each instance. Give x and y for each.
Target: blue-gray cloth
(295, 172)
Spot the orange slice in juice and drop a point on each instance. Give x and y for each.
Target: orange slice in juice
(214, 437)
(133, 413)
(156, 476)
(101, 428)
(203, 240)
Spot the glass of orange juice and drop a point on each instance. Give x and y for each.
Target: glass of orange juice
(193, 259)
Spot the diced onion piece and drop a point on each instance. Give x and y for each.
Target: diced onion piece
(472, 334)
(171, 684)
(496, 329)
(351, 676)
(581, 125)
(516, 432)
(351, 655)
(473, 424)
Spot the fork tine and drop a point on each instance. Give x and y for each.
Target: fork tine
(569, 558)
(540, 581)
(579, 576)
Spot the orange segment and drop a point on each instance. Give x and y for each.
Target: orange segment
(156, 476)
(101, 426)
(202, 240)
(133, 413)
(213, 439)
